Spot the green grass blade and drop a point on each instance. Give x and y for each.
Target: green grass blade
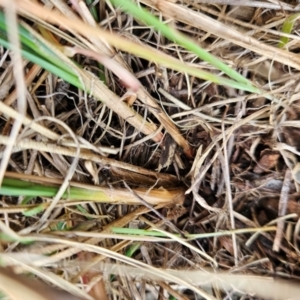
(33, 57)
(32, 43)
(132, 249)
(287, 27)
(26, 200)
(146, 17)
(93, 10)
(6, 238)
(34, 211)
(16, 187)
(154, 233)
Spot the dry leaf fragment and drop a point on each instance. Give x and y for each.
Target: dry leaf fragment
(226, 243)
(268, 161)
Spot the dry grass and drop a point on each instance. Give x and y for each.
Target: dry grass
(233, 154)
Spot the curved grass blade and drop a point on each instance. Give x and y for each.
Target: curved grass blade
(34, 211)
(33, 57)
(31, 42)
(93, 9)
(287, 27)
(144, 16)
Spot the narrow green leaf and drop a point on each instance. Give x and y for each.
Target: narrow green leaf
(136, 231)
(146, 17)
(34, 211)
(6, 238)
(33, 57)
(60, 226)
(32, 43)
(93, 10)
(132, 249)
(84, 211)
(154, 233)
(16, 187)
(287, 27)
(26, 200)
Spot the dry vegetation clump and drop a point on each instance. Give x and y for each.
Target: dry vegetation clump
(129, 173)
